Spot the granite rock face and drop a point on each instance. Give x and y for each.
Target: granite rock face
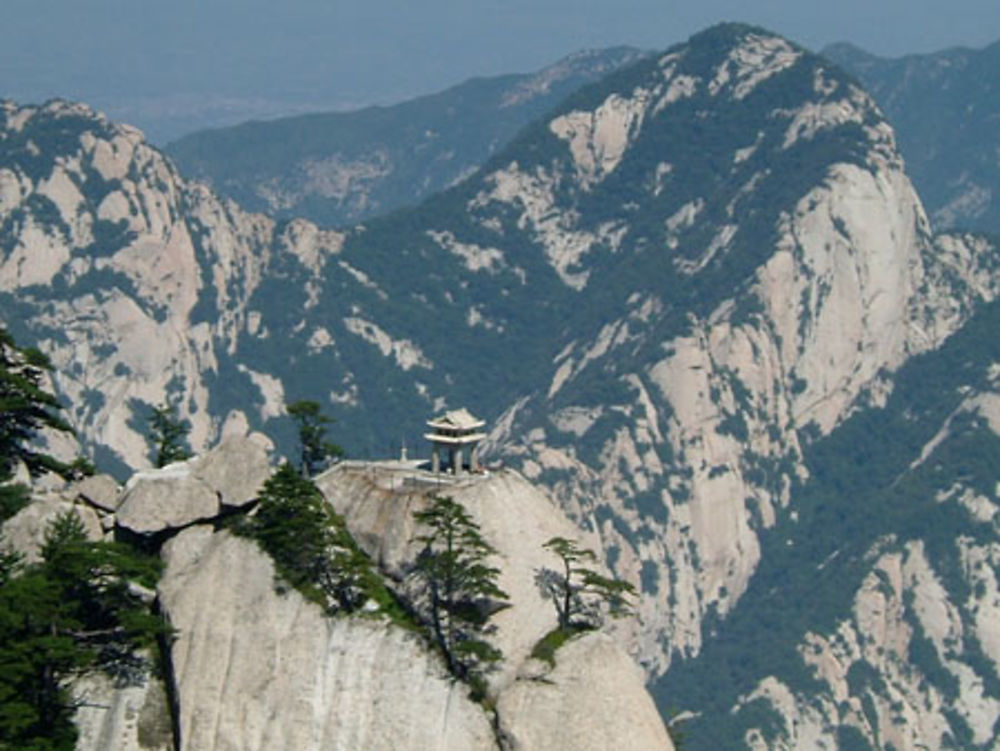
(591, 699)
(235, 469)
(696, 456)
(25, 532)
(163, 499)
(942, 105)
(594, 698)
(256, 669)
(184, 493)
(157, 276)
(253, 666)
(116, 718)
(514, 516)
(100, 491)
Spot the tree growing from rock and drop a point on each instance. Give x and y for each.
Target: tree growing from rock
(168, 434)
(26, 410)
(310, 544)
(315, 451)
(76, 610)
(73, 612)
(461, 587)
(579, 593)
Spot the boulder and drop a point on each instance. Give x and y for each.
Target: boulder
(184, 493)
(25, 531)
(100, 490)
(592, 700)
(235, 469)
(167, 498)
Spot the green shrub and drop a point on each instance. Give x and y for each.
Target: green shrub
(546, 647)
(310, 545)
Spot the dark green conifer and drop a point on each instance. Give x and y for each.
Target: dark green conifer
(26, 408)
(315, 452)
(73, 612)
(578, 592)
(309, 543)
(169, 435)
(461, 587)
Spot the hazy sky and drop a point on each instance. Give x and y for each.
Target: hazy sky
(296, 54)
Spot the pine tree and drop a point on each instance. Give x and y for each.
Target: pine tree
(26, 409)
(72, 612)
(310, 544)
(578, 592)
(169, 435)
(461, 587)
(315, 451)
(69, 614)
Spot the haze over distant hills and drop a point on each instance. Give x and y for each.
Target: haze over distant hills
(945, 107)
(345, 167)
(698, 300)
(340, 168)
(172, 68)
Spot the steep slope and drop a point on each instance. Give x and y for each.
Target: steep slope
(135, 283)
(258, 670)
(340, 168)
(790, 270)
(872, 620)
(252, 664)
(591, 697)
(943, 107)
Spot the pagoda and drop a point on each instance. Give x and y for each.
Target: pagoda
(452, 433)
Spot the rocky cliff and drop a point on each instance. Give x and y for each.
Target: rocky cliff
(134, 282)
(681, 440)
(868, 622)
(253, 665)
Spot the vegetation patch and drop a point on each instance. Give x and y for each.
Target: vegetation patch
(545, 648)
(309, 543)
(74, 612)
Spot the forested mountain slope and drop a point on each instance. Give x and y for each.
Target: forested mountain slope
(871, 621)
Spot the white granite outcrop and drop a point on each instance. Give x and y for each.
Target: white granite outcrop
(591, 699)
(25, 532)
(256, 669)
(594, 681)
(184, 493)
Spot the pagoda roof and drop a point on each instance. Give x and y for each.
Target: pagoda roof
(460, 440)
(457, 419)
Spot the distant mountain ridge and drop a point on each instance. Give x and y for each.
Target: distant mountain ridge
(345, 167)
(944, 107)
